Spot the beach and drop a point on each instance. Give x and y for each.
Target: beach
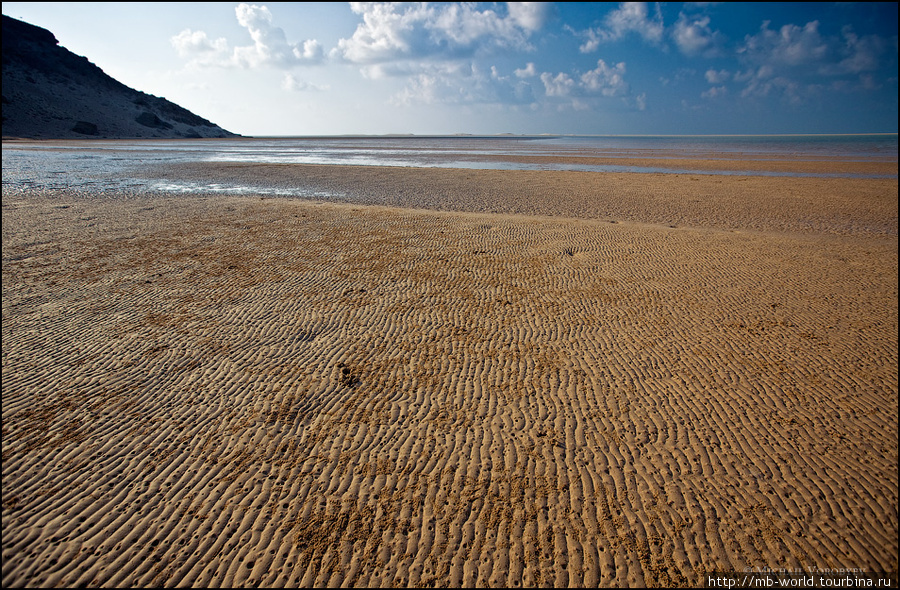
(450, 377)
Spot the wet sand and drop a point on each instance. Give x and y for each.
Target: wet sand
(455, 377)
(760, 203)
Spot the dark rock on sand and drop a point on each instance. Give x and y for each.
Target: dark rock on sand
(51, 93)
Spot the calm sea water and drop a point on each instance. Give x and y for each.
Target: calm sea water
(104, 165)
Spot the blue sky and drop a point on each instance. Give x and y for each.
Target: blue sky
(486, 68)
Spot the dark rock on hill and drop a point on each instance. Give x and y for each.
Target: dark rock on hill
(51, 93)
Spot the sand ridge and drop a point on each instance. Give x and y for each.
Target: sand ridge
(845, 205)
(243, 391)
(718, 161)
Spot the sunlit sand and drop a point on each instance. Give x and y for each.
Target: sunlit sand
(462, 378)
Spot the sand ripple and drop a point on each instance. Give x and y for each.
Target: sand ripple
(238, 392)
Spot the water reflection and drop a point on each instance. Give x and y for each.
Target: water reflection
(130, 164)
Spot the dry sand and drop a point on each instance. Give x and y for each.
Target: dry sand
(234, 391)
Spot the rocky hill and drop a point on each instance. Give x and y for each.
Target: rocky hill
(51, 93)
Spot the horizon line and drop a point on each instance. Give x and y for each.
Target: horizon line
(262, 136)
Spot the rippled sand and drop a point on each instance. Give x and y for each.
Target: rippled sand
(231, 391)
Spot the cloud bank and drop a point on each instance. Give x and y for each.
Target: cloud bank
(470, 53)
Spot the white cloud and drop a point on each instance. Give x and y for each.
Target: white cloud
(397, 69)
(859, 54)
(804, 50)
(694, 37)
(393, 31)
(197, 46)
(629, 17)
(463, 26)
(791, 90)
(789, 46)
(529, 15)
(423, 88)
(270, 46)
(293, 84)
(691, 34)
(592, 43)
(791, 60)
(714, 92)
(765, 81)
(528, 71)
(641, 100)
(382, 35)
(560, 85)
(605, 80)
(312, 51)
(717, 77)
(433, 46)
(462, 83)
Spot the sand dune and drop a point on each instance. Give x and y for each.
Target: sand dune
(233, 391)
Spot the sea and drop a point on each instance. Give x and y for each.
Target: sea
(137, 166)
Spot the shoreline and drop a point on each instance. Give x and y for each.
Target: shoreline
(221, 390)
(710, 160)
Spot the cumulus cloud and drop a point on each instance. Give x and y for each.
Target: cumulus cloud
(714, 92)
(791, 60)
(629, 17)
(716, 76)
(392, 31)
(634, 17)
(693, 36)
(438, 49)
(270, 45)
(198, 47)
(529, 15)
(459, 83)
(560, 85)
(789, 46)
(790, 89)
(604, 80)
(856, 54)
(455, 82)
(529, 71)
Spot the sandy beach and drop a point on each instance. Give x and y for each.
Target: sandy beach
(451, 378)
